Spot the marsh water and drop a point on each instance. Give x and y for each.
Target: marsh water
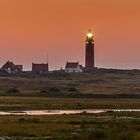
(60, 112)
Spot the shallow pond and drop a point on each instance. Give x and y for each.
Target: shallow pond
(60, 112)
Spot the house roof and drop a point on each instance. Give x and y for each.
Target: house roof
(8, 64)
(39, 67)
(72, 64)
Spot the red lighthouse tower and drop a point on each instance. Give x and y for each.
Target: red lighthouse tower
(89, 60)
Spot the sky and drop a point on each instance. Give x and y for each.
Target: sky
(55, 30)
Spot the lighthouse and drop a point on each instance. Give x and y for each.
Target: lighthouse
(89, 54)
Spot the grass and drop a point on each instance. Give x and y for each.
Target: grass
(98, 89)
(35, 103)
(95, 82)
(83, 127)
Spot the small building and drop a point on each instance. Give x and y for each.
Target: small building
(10, 67)
(73, 67)
(40, 68)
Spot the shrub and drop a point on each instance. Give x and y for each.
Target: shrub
(54, 89)
(12, 90)
(43, 91)
(72, 89)
(21, 120)
(98, 135)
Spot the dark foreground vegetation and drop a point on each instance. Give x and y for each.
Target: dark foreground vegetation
(106, 126)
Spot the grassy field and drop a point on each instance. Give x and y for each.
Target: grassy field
(38, 103)
(95, 82)
(119, 126)
(99, 89)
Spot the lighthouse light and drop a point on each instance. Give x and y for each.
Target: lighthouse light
(89, 35)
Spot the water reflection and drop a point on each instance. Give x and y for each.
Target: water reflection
(60, 112)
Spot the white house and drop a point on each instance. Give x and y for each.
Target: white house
(73, 67)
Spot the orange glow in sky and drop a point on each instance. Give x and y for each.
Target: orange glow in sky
(32, 29)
